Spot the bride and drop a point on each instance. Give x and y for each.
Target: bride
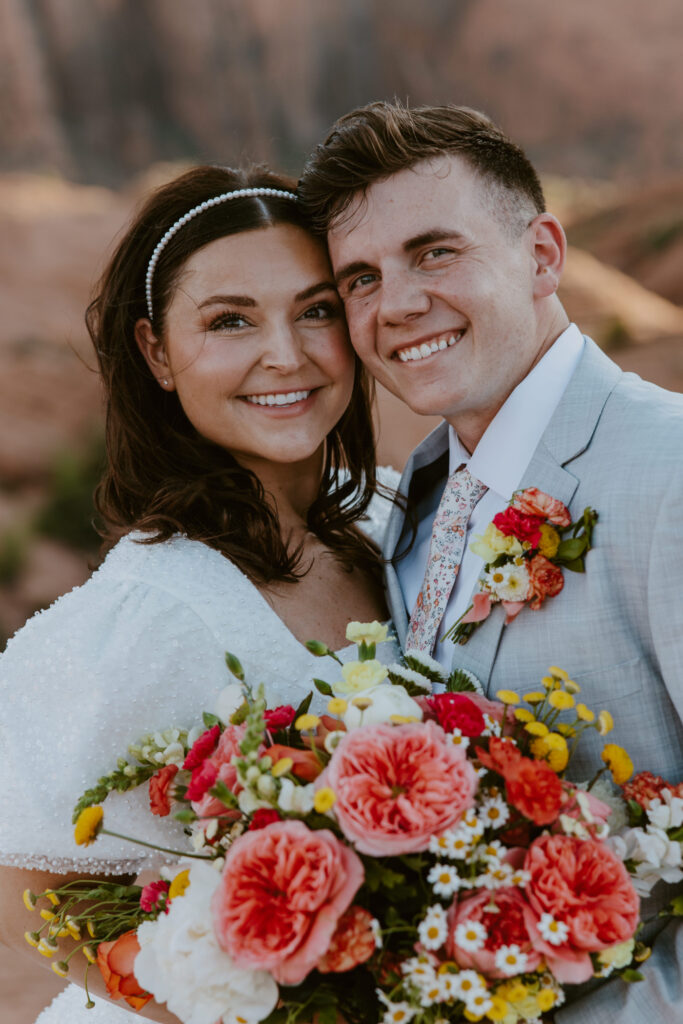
(239, 502)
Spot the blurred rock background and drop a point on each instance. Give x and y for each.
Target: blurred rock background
(102, 99)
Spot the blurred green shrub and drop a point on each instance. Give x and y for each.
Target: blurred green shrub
(68, 512)
(13, 551)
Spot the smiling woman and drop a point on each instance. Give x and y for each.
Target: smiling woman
(240, 476)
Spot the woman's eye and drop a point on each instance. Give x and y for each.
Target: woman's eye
(228, 322)
(321, 311)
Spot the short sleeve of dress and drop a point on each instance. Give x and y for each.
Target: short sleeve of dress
(113, 660)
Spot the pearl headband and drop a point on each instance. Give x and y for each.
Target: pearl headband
(240, 193)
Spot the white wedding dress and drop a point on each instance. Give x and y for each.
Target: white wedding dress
(139, 647)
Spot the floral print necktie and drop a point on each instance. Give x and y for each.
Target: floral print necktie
(446, 548)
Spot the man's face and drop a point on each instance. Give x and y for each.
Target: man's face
(439, 293)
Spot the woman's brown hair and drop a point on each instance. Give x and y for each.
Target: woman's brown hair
(161, 476)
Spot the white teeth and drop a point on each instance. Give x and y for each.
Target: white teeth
(407, 355)
(290, 398)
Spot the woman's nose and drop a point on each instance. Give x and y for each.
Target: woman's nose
(284, 351)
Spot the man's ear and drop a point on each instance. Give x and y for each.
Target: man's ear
(549, 245)
(154, 353)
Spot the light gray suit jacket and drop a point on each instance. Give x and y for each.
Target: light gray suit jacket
(614, 443)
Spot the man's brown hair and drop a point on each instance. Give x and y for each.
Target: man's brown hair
(378, 140)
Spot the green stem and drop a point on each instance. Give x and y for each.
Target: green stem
(153, 846)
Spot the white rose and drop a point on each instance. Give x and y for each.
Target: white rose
(386, 700)
(182, 965)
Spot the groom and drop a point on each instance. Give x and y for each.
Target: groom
(448, 265)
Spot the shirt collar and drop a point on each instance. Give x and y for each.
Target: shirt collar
(512, 436)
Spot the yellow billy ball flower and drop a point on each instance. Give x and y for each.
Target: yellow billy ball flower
(546, 999)
(33, 939)
(605, 723)
(523, 715)
(535, 697)
(179, 884)
(337, 706)
(516, 991)
(508, 696)
(468, 1015)
(52, 897)
(88, 824)
(281, 767)
(550, 682)
(565, 729)
(561, 700)
(47, 915)
(305, 722)
(324, 799)
(29, 899)
(571, 686)
(559, 673)
(558, 752)
(618, 762)
(584, 713)
(366, 632)
(499, 1010)
(536, 729)
(550, 541)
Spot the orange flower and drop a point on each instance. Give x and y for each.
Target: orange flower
(115, 961)
(545, 580)
(353, 942)
(305, 763)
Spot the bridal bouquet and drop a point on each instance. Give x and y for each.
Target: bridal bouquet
(401, 857)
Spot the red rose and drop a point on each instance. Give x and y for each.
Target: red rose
(159, 785)
(545, 580)
(514, 523)
(455, 711)
(279, 718)
(535, 790)
(264, 816)
(202, 747)
(353, 942)
(533, 502)
(115, 961)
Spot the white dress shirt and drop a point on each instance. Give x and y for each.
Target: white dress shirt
(499, 461)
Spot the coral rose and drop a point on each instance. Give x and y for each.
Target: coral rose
(218, 767)
(545, 580)
(456, 711)
(353, 942)
(280, 897)
(533, 788)
(533, 502)
(115, 960)
(507, 918)
(159, 787)
(582, 884)
(396, 786)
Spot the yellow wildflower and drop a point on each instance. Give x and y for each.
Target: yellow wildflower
(515, 991)
(559, 673)
(537, 729)
(561, 700)
(523, 715)
(30, 899)
(550, 682)
(403, 719)
(535, 697)
(362, 703)
(281, 767)
(47, 915)
(305, 722)
(60, 967)
(571, 686)
(468, 1015)
(366, 632)
(508, 696)
(91, 929)
(553, 748)
(605, 723)
(618, 762)
(52, 897)
(584, 713)
(89, 954)
(546, 999)
(88, 825)
(47, 948)
(550, 541)
(179, 884)
(33, 939)
(499, 1010)
(337, 706)
(565, 729)
(324, 799)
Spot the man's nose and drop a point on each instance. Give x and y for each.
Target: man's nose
(283, 350)
(402, 298)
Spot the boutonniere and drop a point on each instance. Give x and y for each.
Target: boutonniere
(525, 549)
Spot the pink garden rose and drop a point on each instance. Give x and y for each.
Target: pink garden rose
(216, 767)
(396, 786)
(586, 887)
(280, 897)
(510, 923)
(533, 502)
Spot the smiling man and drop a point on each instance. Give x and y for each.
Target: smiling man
(448, 265)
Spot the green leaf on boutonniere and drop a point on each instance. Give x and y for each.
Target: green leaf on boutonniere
(630, 975)
(570, 550)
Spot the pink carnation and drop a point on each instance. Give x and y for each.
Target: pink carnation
(456, 711)
(513, 523)
(586, 887)
(533, 502)
(280, 897)
(396, 786)
(216, 768)
(508, 920)
(202, 747)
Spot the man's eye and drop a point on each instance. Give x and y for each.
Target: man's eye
(228, 322)
(435, 254)
(362, 281)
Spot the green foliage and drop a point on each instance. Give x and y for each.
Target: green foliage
(13, 550)
(67, 515)
(661, 237)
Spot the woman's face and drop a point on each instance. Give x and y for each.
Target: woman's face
(256, 345)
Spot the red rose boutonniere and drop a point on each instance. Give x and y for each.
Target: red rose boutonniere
(525, 548)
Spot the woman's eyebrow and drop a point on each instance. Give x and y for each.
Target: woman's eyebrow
(315, 289)
(228, 300)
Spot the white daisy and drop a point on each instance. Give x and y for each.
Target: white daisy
(492, 852)
(433, 929)
(458, 843)
(431, 994)
(498, 876)
(395, 1013)
(479, 1003)
(444, 879)
(438, 845)
(473, 826)
(510, 960)
(458, 740)
(520, 877)
(469, 984)
(494, 812)
(376, 930)
(470, 935)
(418, 971)
(554, 932)
(492, 726)
(508, 582)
